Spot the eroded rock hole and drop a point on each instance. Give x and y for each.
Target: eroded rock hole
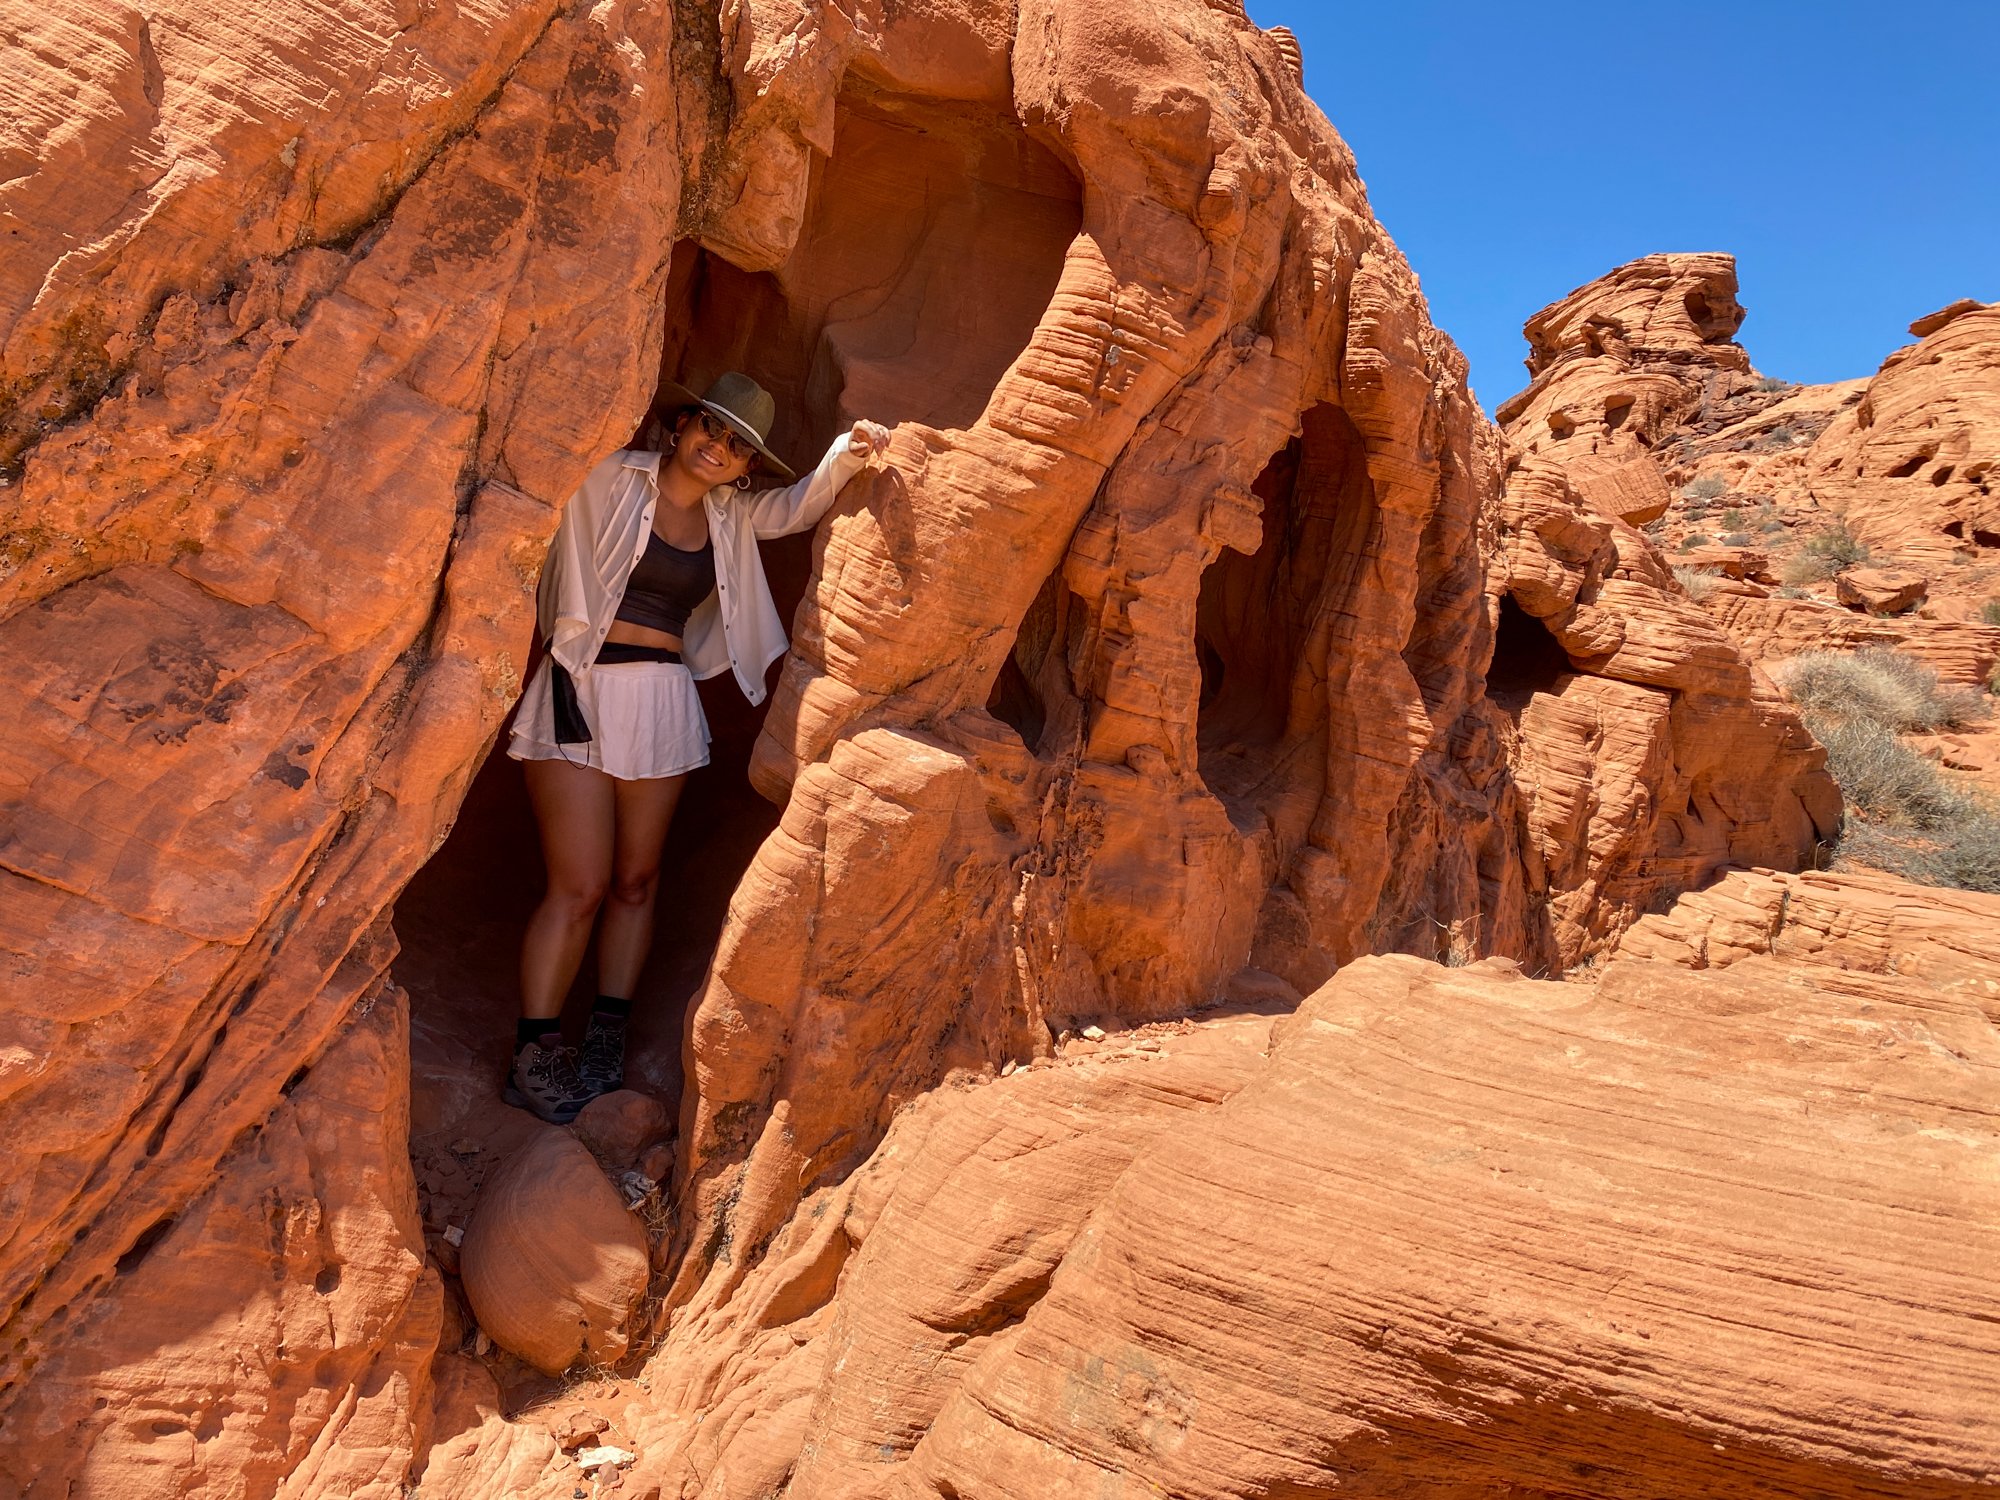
(1527, 658)
(1265, 622)
(1034, 688)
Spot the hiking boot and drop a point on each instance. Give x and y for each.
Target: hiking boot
(601, 1065)
(545, 1081)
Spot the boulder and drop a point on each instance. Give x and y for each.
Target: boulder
(1628, 487)
(1881, 591)
(553, 1263)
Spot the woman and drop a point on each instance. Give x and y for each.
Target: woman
(652, 581)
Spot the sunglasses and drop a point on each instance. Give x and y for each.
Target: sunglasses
(722, 432)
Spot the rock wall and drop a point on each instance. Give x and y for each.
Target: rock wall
(1157, 652)
(310, 322)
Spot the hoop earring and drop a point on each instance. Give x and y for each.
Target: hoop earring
(674, 443)
(743, 481)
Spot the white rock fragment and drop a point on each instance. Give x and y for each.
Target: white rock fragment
(597, 1458)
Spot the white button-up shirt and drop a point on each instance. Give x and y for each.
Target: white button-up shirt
(603, 534)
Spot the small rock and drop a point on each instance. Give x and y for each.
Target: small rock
(596, 1458)
(657, 1162)
(578, 1429)
(1011, 1067)
(619, 1126)
(453, 1235)
(1093, 1033)
(481, 1344)
(554, 1264)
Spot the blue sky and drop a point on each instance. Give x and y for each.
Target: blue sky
(1847, 154)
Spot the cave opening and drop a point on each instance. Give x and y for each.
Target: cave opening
(1264, 621)
(932, 243)
(1527, 659)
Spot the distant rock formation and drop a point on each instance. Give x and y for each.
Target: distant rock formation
(1919, 453)
(1653, 754)
(1641, 393)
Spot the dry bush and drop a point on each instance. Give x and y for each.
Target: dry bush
(1894, 692)
(1912, 820)
(1838, 546)
(1989, 612)
(1698, 582)
(1883, 778)
(1707, 487)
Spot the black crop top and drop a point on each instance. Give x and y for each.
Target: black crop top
(666, 584)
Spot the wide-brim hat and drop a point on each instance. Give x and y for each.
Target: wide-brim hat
(738, 400)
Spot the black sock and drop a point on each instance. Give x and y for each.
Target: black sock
(610, 1011)
(528, 1030)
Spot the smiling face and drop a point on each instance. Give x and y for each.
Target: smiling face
(710, 450)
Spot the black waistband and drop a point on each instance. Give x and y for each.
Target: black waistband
(617, 653)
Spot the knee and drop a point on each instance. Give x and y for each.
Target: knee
(577, 901)
(635, 887)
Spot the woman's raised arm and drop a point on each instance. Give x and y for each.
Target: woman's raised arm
(794, 507)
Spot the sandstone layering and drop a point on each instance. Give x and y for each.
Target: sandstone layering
(1184, 648)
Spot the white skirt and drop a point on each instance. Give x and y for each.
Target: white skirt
(645, 720)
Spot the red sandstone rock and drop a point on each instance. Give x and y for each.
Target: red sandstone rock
(619, 1126)
(554, 1264)
(1920, 453)
(1036, 1291)
(1881, 591)
(1157, 649)
(1771, 630)
(275, 1335)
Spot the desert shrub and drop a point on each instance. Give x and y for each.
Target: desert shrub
(1729, 518)
(1963, 852)
(1881, 776)
(1781, 436)
(1912, 821)
(1771, 383)
(1891, 691)
(1838, 546)
(1989, 612)
(1802, 568)
(1738, 539)
(1791, 591)
(1707, 487)
(1695, 539)
(1765, 518)
(1698, 582)
(1968, 853)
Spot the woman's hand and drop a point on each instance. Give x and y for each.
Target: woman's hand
(868, 438)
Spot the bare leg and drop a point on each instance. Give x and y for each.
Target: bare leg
(645, 810)
(575, 810)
